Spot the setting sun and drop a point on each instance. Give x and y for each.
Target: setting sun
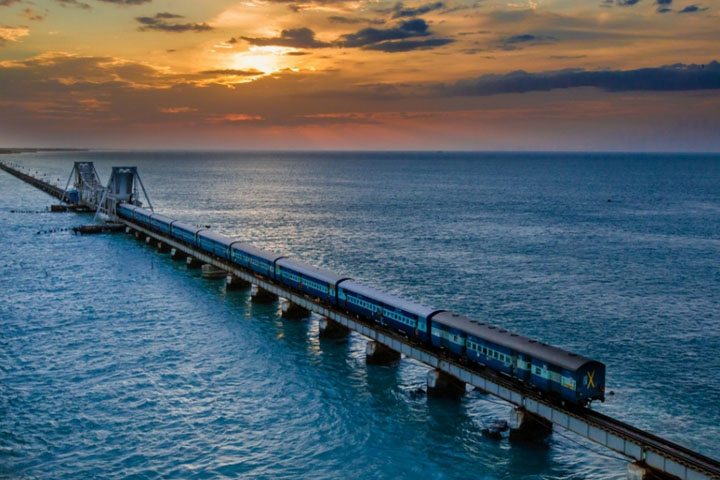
(267, 59)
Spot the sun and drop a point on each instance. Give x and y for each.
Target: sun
(267, 59)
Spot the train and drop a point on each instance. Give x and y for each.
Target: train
(554, 373)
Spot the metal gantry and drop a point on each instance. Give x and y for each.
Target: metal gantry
(86, 184)
(124, 186)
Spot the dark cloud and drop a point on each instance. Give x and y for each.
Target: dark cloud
(693, 9)
(620, 3)
(416, 27)
(167, 22)
(393, 39)
(516, 42)
(400, 10)
(668, 78)
(663, 6)
(294, 37)
(401, 38)
(409, 45)
(73, 3)
(355, 20)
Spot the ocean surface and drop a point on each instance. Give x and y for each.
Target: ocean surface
(116, 361)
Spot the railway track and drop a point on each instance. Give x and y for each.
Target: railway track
(652, 442)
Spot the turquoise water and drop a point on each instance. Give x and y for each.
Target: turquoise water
(116, 361)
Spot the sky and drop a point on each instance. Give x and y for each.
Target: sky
(600, 75)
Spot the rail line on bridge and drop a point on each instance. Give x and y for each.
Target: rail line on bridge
(642, 447)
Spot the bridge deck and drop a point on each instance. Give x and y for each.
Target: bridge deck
(634, 443)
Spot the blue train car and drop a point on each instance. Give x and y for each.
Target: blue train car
(185, 232)
(142, 217)
(486, 345)
(215, 243)
(447, 332)
(316, 282)
(566, 375)
(388, 310)
(126, 211)
(161, 223)
(254, 259)
(561, 374)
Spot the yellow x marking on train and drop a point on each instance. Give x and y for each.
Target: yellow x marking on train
(591, 379)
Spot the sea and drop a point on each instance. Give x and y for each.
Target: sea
(118, 362)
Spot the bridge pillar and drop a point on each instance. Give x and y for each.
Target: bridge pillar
(163, 247)
(192, 262)
(332, 329)
(138, 235)
(175, 254)
(378, 354)
(235, 283)
(529, 426)
(640, 471)
(211, 271)
(148, 239)
(293, 311)
(440, 384)
(128, 230)
(260, 295)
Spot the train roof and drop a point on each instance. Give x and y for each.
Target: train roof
(141, 211)
(315, 272)
(387, 299)
(186, 226)
(134, 208)
(129, 206)
(162, 218)
(252, 250)
(553, 355)
(218, 237)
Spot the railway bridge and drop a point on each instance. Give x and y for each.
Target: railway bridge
(649, 455)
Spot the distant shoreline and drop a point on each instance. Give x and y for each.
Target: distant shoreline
(7, 151)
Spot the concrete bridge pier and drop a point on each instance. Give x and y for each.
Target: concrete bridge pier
(235, 283)
(138, 235)
(149, 239)
(211, 271)
(529, 426)
(192, 262)
(641, 471)
(260, 295)
(128, 230)
(378, 354)
(332, 330)
(163, 247)
(175, 254)
(293, 311)
(440, 384)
